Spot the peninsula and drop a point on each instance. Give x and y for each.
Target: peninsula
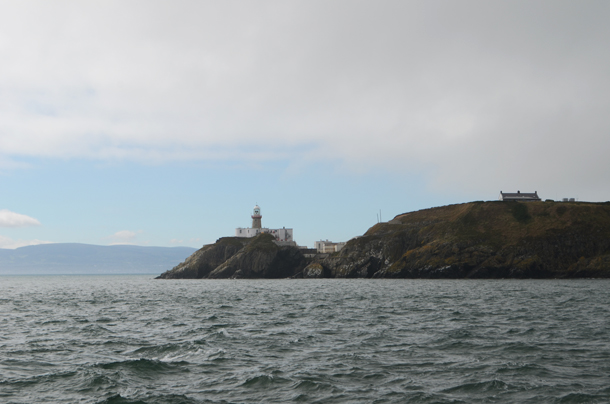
(496, 239)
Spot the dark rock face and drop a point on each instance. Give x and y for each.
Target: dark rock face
(471, 240)
(233, 257)
(203, 261)
(313, 270)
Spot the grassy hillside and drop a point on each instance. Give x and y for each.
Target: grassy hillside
(502, 223)
(485, 239)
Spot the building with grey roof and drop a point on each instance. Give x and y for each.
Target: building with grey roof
(519, 196)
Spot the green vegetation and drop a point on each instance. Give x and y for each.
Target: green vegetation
(263, 242)
(520, 212)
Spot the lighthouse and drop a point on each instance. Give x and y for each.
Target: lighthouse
(282, 236)
(256, 218)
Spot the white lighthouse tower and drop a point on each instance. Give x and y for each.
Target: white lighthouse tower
(256, 218)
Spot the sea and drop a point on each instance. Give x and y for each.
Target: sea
(134, 339)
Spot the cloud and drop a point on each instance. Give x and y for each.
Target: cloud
(7, 242)
(123, 237)
(12, 219)
(474, 94)
(176, 241)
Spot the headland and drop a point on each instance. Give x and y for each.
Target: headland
(496, 239)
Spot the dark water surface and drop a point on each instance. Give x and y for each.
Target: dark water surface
(132, 339)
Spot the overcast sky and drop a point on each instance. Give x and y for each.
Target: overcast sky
(163, 123)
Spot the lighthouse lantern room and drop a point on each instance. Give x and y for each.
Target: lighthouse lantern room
(256, 218)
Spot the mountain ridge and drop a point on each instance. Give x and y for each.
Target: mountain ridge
(80, 258)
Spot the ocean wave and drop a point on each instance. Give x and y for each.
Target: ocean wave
(153, 399)
(290, 341)
(490, 386)
(143, 366)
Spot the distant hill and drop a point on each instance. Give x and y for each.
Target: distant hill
(73, 258)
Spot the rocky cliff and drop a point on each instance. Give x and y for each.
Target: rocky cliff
(471, 240)
(483, 240)
(236, 257)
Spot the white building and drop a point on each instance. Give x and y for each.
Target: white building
(519, 196)
(282, 236)
(328, 247)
